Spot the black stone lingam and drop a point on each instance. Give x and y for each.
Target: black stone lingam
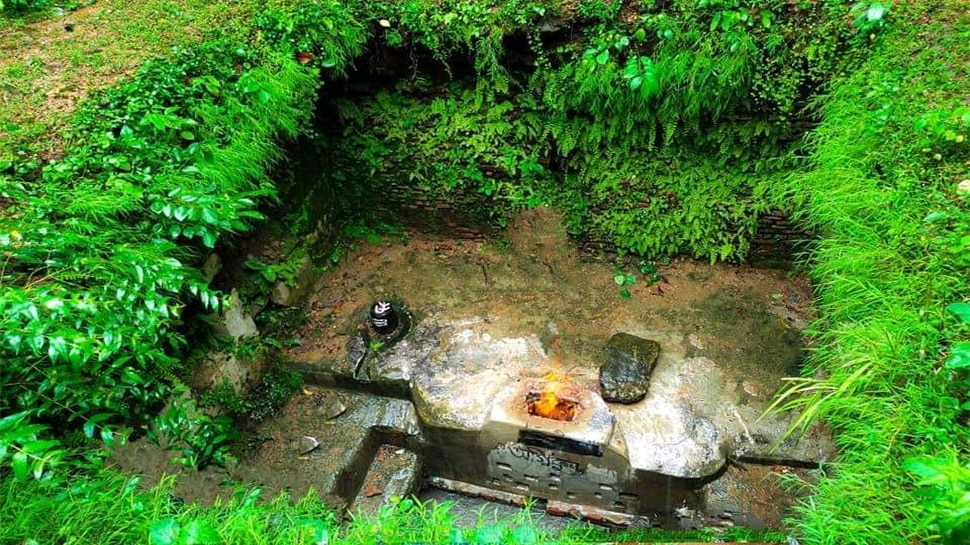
(383, 318)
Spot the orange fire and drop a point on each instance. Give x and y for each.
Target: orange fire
(549, 404)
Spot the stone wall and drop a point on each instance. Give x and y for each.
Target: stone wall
(776, 240)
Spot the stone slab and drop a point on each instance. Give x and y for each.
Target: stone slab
(394, 474)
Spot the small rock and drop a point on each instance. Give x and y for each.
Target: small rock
(305, 445)
(335, 409)
(235, 322)
(625, 376)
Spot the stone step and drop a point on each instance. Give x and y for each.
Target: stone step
(395, 473)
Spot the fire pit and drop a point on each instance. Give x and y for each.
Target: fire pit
(551, 403)
(555, 440)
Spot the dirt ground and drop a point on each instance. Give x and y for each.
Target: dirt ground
(536, 283)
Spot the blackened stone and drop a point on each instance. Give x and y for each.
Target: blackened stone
(625, 376)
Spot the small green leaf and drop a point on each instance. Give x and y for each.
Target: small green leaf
(620, 279)
(19, 465)
(164, 532)
(209, 216)
(625, 293)
(603, 57)
(209, 238)
(876, 11)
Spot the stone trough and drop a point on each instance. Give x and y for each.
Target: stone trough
(477, 430)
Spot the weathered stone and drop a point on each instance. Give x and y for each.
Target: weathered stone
(303, 445)
(235, 322)
(388, 368)
(211, 267)
(625, 377)
(218, 367)
(292, 294)
(394, 474)
(335, 409)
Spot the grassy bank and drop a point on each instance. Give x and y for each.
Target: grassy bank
(55, 59)
(883, 191)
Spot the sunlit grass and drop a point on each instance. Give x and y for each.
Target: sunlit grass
(47, 70)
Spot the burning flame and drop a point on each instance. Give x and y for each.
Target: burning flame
(549, 404)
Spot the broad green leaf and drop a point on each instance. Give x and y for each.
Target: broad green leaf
(920, 467)
(625, 293)
(962, 311)
(38, 447)
(620, 279)
(603, 57)
(959, 356)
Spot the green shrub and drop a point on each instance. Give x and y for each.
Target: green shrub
(101, 246)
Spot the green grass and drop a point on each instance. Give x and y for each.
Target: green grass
(46, 71)
(883, 276)
(113, 509)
